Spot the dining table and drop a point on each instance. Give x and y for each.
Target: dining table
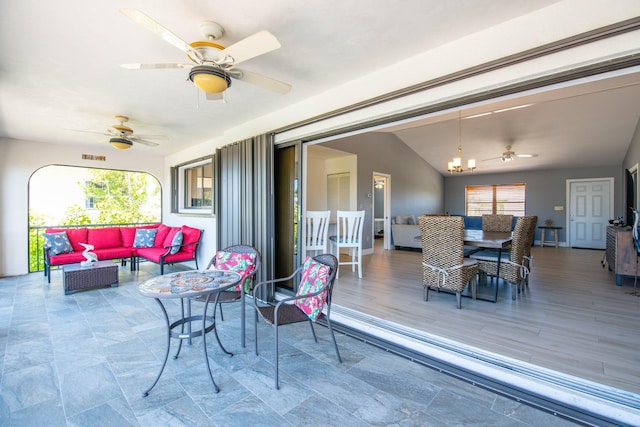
(489, 240)
(205, 285)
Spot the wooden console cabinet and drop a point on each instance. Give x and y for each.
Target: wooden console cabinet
(621, 254)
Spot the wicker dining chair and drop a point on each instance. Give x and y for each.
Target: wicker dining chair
(527, 258)
(512, 267)
(243, 259)
(501, 223)
(444, 266)
(312, 301)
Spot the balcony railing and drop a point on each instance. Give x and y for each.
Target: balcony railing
(36, 241)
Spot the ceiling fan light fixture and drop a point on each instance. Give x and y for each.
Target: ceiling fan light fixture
(209, 79)
(120, 143)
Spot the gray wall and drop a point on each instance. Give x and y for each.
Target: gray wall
(545, 189)
(633, 153)
(416, 187)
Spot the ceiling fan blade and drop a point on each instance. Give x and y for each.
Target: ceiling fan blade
(147, 136)
(260, 80)
(153, 26)
(87, 131)
(160, 65)
(214, 96)
(144, 142)
(492, 158)
(250, 47)
(525, 155)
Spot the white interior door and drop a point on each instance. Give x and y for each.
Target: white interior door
(590, 208)
(382, 216)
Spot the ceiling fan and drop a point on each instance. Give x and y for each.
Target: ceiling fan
(121, 136)
(509, 155)
(212, 65)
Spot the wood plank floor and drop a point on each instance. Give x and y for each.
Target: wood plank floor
(572, 318)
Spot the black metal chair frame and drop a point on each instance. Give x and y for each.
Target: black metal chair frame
(285, 313)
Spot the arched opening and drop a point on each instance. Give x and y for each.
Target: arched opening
(70, 196)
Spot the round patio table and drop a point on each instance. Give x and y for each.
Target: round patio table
(202, 284)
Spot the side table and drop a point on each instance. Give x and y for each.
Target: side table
(101, 273)
(554, 229)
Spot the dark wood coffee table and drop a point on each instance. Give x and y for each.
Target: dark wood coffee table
(76, 278)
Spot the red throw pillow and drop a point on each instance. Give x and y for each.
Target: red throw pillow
(314, 277)
(242, 264)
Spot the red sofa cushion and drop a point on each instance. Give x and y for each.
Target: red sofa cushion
(161, 234)
(127, 235)
(69, 258)
(169, 239)
(75, 235)
(189, 235)
(154, 254)
(112, 253)
(108, 237)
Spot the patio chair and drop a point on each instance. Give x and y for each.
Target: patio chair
(314, 294)
(444, 266)
(349, 235)
(245, 260)
(316, 231)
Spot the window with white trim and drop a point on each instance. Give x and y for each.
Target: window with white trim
(193, 187)
(502, 199)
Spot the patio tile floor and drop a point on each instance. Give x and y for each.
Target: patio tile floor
(85, 359)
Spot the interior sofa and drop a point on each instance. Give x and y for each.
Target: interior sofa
(406, 232)
(110, 243)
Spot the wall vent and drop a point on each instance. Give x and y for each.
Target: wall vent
(92, 157)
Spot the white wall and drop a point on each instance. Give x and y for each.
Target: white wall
(207, 223)
(20, 159)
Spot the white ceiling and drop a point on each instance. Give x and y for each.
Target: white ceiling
(59, 72)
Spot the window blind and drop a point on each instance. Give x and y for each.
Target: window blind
(503, 199)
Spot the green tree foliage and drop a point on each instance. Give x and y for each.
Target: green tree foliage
(76, 215)
(123, 197)
(35, 239)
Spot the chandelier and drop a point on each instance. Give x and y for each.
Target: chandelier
(455, 165)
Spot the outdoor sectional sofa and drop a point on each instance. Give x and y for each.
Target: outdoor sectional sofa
(157, 243)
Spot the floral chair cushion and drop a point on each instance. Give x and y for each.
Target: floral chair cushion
(176, 242)
(145, 237)
(314, 277)
(242, 264)
(58, 242)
